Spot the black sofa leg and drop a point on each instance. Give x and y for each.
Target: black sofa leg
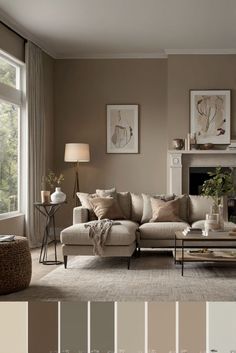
(129, 260)
(65, 261)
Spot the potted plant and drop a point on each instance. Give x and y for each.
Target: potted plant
(220, 184)
(54, 181)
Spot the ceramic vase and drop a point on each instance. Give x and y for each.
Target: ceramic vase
(58, 196)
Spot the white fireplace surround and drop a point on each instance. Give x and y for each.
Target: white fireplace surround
(179, 163)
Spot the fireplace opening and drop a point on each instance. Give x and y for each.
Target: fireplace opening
(197, 176)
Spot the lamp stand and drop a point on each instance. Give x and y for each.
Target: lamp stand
(76, 184)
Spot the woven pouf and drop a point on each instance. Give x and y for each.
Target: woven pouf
(15, 265)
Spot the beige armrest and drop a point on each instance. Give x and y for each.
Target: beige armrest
(80, 215)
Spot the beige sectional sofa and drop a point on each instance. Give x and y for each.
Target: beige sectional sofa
(136, 231)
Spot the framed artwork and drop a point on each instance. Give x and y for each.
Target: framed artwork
(122, 129)
(210, 116)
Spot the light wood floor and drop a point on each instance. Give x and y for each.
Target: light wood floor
(40, 270)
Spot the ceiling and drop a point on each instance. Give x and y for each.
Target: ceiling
(124, 28)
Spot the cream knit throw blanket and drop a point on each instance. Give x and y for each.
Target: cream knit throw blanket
(98, 232)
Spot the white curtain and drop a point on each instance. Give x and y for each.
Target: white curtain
(36, 139)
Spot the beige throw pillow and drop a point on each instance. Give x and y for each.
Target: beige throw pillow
(147, 207)
(105, 193)
(84, 199)
(165, 211)
(106, 207)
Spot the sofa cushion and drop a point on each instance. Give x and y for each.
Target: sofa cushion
(106, 207)
(106, 192)
(120, 234)
(136, 207)
(165, 211)
(228, 226)
(161, 230)
(199, 206)
(85, 203)
(147, 207)
(124, 201)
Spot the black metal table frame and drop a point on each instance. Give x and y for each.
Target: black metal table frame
(48, 211)
(201, 246)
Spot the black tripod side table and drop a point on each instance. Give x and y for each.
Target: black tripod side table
(48, 210)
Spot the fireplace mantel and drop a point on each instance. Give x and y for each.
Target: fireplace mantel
(179, 162)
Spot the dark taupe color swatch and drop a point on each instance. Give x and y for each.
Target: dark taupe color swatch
(42, 327)
(192, 326)
(102, 326)
(74, 326)
(161, 327)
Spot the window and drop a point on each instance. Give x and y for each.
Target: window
(11, 109)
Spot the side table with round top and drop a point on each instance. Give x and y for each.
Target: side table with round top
(15, 265)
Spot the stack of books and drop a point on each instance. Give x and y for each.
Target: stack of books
(192, 231)
(232, 146)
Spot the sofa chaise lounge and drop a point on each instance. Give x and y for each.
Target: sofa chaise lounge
(136, 231)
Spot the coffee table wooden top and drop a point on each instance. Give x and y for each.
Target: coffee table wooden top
(213, 236)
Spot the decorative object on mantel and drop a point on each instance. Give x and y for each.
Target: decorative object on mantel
(122, 129)
(207, 146)
(220, 184)
(190, 142)
(178, 144)
(210, 115)
(76, 153)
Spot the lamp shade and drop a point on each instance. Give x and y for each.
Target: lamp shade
(77, 152)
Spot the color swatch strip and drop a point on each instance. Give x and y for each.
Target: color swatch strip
(123, 327)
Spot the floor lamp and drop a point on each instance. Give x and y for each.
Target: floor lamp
(76, 153)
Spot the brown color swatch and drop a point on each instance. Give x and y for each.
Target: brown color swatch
(43, 327)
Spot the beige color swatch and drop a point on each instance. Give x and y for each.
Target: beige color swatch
(13, 327)
(192, 326)
(131, 326)
(161, 327)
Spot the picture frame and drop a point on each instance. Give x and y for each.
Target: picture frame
(210, 115)
(122, 128)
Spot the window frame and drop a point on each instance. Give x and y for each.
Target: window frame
(17, 96)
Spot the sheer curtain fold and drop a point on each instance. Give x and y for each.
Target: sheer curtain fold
(36, 139)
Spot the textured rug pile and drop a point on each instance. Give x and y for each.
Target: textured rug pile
(152, 277)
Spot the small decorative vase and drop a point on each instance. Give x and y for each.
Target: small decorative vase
(45, 196)
(58, 196)
(178, 144)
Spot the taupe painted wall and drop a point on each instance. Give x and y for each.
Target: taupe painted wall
(82, 90)
(12, 43)
(187, 72)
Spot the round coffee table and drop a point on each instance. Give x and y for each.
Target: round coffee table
(15, 265)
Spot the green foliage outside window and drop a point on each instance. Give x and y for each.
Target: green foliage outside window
(8, 144)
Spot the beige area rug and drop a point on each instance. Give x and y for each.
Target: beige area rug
(152, 277)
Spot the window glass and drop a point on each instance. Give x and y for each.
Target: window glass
(9, 122)
(8, 73)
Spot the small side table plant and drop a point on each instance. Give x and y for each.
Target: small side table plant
(52, 181)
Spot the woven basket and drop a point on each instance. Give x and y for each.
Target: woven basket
(15, 265)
